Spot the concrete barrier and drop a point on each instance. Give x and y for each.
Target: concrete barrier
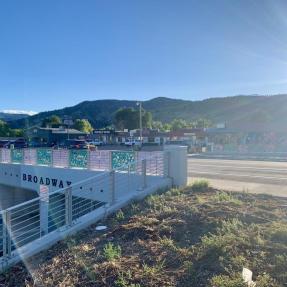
(176, 164)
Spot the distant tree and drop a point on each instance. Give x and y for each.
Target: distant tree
(128, 118)
(202, 123)
(6, 131)
(157, 125)
(147, 119)
(167, 127)
(83, 125)
(52, 120)
(17, 133)
(178, 124)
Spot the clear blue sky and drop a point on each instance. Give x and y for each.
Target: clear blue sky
(56, 53)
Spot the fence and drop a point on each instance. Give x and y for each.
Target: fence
(62, 209)
(84, 159)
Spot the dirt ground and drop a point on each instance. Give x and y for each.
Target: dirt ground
(196, 236)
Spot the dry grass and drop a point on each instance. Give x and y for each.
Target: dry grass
(196, 236)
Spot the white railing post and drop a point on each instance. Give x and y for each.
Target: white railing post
(68, 206)
(52, 157)
(6, 219)
(44, 209)
(166, 161)
(113, 186)
(110, 160)
(144, 179)
(88, 159)
(1, 155)
(129, 178)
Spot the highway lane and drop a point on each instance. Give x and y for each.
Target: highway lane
(254, 176)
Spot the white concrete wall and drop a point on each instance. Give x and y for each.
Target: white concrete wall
(97, 188)
(30, 177)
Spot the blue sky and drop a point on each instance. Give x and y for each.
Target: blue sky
(57, 53)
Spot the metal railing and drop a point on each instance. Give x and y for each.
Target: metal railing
(64, 158)
(61, 209)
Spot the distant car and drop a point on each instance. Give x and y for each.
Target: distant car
(35, 144)
(4, 143)
(132, 142)
(76, 144)
(18, 143)
(97, 143)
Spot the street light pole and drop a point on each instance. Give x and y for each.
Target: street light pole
(141, 124)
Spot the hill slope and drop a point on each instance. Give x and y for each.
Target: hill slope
(242, 112)
(7, 117)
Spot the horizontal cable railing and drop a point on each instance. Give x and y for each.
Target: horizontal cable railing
(31, 220)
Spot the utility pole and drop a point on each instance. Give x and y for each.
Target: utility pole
(141, 124)
(69, 122)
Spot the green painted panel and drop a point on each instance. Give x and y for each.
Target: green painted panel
(78, 158)
(44, 156)
(122, 158)
(17, 155)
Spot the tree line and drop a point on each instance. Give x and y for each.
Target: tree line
(124, 118)
(6, 131)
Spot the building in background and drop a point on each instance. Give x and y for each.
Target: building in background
(52, 136)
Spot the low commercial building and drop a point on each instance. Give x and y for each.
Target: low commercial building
(195, 138)
(53, 136)
(151, 137)
(106, 136)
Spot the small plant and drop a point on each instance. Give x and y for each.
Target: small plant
(153, 270)
(120, 216)
(200, 185)
(168, 243)
(123, 280)
(265, 281)
(198, 199)
(174, 192)
(226, 281)
(112, 252)
(222, 196)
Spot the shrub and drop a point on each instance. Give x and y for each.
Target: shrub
(265, 281)
(200, 185)
(226, 281)
(112, 252)
(222, 196)
(120, 215)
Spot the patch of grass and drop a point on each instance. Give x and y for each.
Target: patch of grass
(222, 196)
(112, 252)
(153, 270)
(200, 185)
(123, 280)
(227, 281)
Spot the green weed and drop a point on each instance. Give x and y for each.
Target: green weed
(112, 252)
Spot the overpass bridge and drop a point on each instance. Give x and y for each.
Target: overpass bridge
(76, 188)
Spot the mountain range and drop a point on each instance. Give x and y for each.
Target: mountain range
(239, 112)
(12, 116)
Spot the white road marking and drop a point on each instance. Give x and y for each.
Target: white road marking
(238, 167)
(236, 175)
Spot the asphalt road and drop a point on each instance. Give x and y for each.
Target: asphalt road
(238, 175)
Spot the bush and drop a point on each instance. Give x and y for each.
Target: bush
(226, 281)
(222, 196)
(200, 185)
(112, 252)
